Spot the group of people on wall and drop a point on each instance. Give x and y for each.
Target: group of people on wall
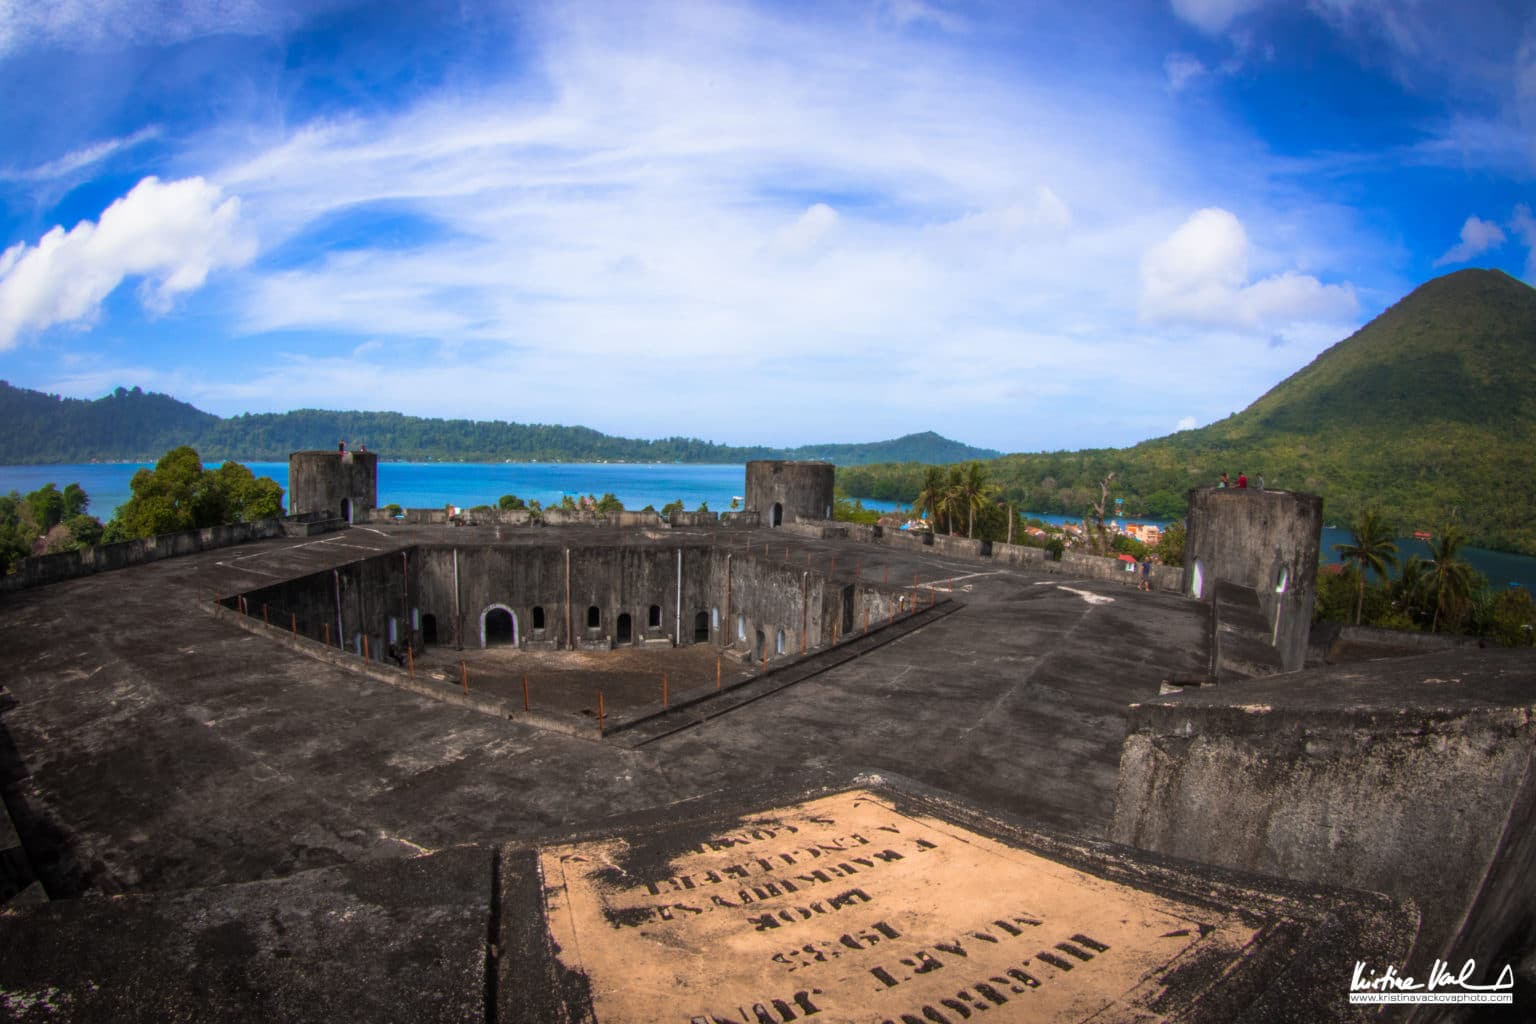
(1242, 481)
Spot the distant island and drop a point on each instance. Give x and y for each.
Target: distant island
(133, 425)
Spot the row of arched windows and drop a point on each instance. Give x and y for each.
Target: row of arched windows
(499, 624)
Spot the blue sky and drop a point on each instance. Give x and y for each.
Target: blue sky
(1024, 225)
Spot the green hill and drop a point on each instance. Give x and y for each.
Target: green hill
(1427, 412)
(130, 424)
(127, 424)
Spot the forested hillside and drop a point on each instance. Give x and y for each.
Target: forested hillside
(1427, 413)
(130, 424)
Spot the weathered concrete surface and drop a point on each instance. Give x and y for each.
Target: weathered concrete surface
(885, 902)
(162, 749)
(1242, 641)
(335, 483)
(793, 490)
(376, 941)
(1266, 541)
(157, 749)
(1412, 776)
(1333, 643)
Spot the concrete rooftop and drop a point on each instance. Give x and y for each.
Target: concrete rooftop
(148, 748)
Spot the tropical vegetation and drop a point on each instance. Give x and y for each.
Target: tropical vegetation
(1427, 413)
(180, 494)
(1372, 551)
(45, 521)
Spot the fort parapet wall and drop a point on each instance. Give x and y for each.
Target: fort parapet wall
(41, 570)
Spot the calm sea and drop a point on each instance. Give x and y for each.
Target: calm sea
(434, 484)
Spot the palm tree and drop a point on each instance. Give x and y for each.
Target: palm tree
(954, 496)
(931, 498)
(1408, 588)
(975, 492)
(1373, 549)
(1449, 579)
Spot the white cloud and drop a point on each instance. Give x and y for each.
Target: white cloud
(80, 158)
(1213, 16)
(1199, 276)
(909, 12)
(809, 228)
(1477, 237)
(870, 223)
(1524, 227)
(170, 235)
(1187, 423)
(1181, 69)
(90, 25)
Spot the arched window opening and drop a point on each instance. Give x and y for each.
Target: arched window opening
(701, 628)
(415, 618)
(538, 620)
(741, 627)
(625, 631)
(394, 630)
(346, 509)
(653, 619)
(429, 629)
(776, 516)
(594, 618)
(714, 619)
(1197, 580)
(778, 644)
(498, 627)
(759, 648)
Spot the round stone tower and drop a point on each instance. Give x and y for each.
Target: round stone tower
(343, 484)
(1267, 541)
(782, 492)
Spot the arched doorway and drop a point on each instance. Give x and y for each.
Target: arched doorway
(625, 630)
(776, 515)
(346, 509)
(653, 621)
(429, 629)
(498, 627)
(760, 648)
(701, 628)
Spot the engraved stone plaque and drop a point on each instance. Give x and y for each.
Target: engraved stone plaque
(850, 908)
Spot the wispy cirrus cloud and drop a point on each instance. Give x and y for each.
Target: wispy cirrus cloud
(80, 159)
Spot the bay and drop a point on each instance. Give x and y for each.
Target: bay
(435, 484)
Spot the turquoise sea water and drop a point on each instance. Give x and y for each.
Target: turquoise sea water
(435, 484)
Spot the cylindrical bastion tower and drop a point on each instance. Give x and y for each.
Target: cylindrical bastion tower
(1267, 541)
(782, 492)
(342, 483)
